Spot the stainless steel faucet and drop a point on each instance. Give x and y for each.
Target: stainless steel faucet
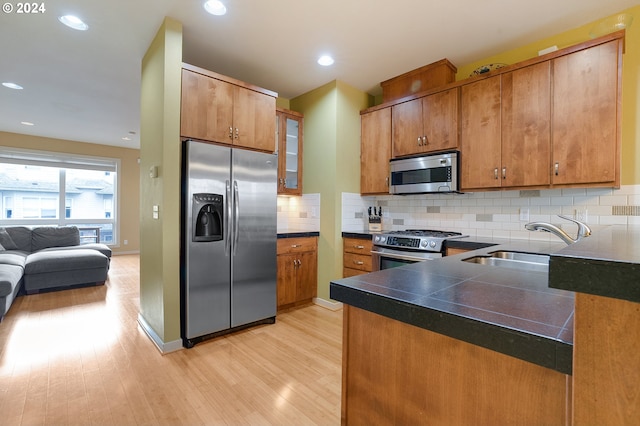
(583, 229)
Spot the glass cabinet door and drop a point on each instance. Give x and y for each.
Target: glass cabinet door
(289, 152)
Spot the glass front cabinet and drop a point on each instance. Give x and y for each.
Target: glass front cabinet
(289, 138)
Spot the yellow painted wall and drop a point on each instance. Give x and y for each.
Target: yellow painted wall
(128, 176)
(160, 146)
(630, 94)
(331, 164)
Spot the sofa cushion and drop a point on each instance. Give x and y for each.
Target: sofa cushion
(10, 276)
(21, 236)
(64, 260)
(6, 242)
(54, 236)
(13, 257)
(102, 248)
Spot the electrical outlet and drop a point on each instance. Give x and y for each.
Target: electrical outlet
(581, 215)
(126, 242)
(524, 214)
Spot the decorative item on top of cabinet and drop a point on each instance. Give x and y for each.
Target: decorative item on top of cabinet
(426, 124)
(375, 151)
(421, 79)
(356, 258)
(297, 264)
(224, 110)
(289, 128)
(587, 87)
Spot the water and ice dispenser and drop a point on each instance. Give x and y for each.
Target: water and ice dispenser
(207, 216)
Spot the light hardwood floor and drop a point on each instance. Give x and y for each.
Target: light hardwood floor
(78, 357)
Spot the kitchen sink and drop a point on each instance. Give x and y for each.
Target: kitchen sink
(514, 260)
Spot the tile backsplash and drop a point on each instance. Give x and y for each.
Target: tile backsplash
(497, 213)
(299, 213)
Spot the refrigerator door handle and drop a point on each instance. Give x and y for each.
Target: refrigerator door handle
(236, 216)
(227, 219)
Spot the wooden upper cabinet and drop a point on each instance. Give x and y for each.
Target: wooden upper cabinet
(426, 124)
(586, 144)
(375, 152)
(206, 108)
(526, 135)
(228, 112)
(290, 144)
(480, 134)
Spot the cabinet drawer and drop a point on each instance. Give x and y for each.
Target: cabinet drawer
(350, 272)
(356, 245)
(357, 261)
(297, 245)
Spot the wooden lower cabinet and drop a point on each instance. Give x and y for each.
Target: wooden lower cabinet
(356, 258)
(297, 264)
(395, 373)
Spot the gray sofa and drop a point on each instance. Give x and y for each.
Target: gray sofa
(45, 258)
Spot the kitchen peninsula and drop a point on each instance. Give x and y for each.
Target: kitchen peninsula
(454, 342)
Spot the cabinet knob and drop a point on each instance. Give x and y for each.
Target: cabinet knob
(419, 141)
(495, 173)
(504, 173)
(236, 133)
(296, 245)
(425, 141)
(387, 180)
(359, 262)
(556, 168)
(358, 247)
(230, 132)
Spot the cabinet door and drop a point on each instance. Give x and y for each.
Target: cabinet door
(585, 122)
(526, 116)
(206, 108)
(253, 123)
(306, 276)
(286, 278)
(290, 143)
(407, 128)
(480, 134)
(375, 151)
(440, 115)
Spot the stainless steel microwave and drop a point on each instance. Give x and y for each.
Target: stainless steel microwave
(425, 174)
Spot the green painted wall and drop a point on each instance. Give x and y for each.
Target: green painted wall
(331, 164)
(631, 69)
(160, 146)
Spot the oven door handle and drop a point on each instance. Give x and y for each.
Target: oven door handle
(399, 256)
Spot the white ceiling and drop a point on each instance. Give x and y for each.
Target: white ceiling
(85, 86)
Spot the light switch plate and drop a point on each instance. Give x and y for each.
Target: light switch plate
(524, 214)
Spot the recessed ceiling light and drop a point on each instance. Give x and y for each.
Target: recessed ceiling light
(325, 60)
(12, 85)
(215, 7)
(27, 123)
(74, 22)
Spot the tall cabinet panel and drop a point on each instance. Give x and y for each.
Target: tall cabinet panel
(480, 134)
(375, 151)
(526, 115)
(586, 87)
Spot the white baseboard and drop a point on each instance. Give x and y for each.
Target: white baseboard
(163, 347)
(328, 304)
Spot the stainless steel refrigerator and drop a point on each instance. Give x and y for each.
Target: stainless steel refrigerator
(228, 252)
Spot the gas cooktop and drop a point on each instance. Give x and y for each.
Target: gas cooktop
(416, 239)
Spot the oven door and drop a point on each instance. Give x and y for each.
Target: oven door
(386, 258)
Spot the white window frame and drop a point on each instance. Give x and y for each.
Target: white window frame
(66, 161)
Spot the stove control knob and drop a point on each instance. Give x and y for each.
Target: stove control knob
(424, 243)
(377, 239)
(432, 244)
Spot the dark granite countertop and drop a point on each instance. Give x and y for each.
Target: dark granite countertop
(293, 233)
(501, 309)
(605, 264)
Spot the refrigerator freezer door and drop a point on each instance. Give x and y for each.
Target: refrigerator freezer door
(207, 273)
(253, 293)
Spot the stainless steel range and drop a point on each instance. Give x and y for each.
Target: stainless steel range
(397, 248)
